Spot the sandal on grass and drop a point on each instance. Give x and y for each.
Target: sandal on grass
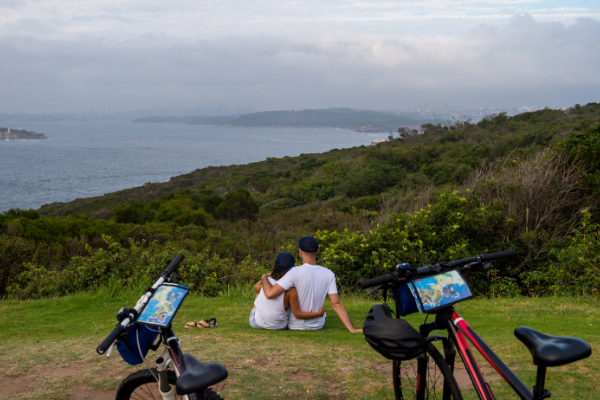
(209, 323)
(202, 324)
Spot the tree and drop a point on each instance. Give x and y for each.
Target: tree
(237, 205)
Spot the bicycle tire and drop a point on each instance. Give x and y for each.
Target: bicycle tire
(438, 374)
(142, 385)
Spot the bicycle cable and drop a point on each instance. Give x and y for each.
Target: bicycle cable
(144, 358)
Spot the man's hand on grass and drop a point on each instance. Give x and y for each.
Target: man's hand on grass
(354, 330)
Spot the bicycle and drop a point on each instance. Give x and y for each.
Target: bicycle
(188, 377)
(431, 376)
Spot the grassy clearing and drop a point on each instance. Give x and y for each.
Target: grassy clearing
(326, 364)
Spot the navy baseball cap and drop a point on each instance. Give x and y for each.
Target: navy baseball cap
(285, 261)
(308, 244)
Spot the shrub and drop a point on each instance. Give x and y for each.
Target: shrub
(454, 227)
(210, 202)
(574, 268)
(540, 193)
(585, 147)
(181, 212)
(237, 205)
(130, 266)
(131, 214)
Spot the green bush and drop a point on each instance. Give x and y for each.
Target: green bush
(237, 205)
(131, 214)
(181, 212)
(210, 202)
(573, 267)
(452, 228)
(585, 147)
(130, 266)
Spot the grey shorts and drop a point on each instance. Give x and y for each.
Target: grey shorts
(255, 325)
(253, 320)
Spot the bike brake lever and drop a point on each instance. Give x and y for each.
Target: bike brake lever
(374, 290)
(110, 349)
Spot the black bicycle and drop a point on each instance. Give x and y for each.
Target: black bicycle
(176, 375)
(419, 370)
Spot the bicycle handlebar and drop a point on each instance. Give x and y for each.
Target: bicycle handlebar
(382, 280)
(139, 307)
(173, 266)
(106, 343)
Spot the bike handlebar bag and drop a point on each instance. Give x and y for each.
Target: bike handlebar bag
(140, 340)
(393, 338)
(438, 291)
(408, 304)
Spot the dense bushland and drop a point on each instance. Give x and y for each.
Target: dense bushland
(453, 191)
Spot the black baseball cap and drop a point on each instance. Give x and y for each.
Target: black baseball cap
(285, 261)
(308, 244)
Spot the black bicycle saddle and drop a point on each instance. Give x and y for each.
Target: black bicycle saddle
(199, 375)
(552, 351)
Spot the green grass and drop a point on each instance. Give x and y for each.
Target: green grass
(326, 364)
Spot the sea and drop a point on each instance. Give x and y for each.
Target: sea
(90, 158)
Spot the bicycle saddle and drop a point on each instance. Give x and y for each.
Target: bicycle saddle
(552, 351)
(198, 375)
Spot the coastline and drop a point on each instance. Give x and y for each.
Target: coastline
(19, 134)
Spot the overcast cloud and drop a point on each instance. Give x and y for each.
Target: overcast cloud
(73, 55)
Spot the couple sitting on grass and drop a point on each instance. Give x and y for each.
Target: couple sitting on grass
(293, 297)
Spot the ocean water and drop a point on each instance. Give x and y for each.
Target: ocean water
(84, 159)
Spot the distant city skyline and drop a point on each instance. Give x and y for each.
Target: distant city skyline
(422, 112)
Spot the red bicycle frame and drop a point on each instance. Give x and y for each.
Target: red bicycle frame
(460, 332)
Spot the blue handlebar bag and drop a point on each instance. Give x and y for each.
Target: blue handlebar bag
(140, 340)
(407, 305)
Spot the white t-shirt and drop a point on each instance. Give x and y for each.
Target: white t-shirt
(270, 314)
(313, 284)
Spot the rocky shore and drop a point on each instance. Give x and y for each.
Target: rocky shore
(13, 134)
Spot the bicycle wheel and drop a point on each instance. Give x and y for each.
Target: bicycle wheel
(438, 373)
(142, 385)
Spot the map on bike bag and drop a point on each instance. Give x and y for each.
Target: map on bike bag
(163, 305)
(440, 290)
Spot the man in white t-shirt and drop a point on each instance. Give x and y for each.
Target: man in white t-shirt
(313, 284)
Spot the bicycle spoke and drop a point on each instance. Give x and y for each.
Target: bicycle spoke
(148, 392)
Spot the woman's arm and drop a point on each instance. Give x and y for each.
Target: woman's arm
(291, 297)
(257, 289)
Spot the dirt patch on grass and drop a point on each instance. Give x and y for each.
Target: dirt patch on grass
(383, 368)
(12, 386)
(83, 393)
(464, 381)
(55, 370)
(302, 377)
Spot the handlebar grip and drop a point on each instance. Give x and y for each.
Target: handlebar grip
(424, 270)
(498, 255)
(173, 266)
(380, 280)
(110, 339)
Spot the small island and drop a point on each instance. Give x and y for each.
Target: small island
(12, 134)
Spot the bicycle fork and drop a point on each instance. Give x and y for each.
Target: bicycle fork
(422, 362)
(166, 390)
(162, 363)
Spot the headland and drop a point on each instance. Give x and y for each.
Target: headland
(13, 134)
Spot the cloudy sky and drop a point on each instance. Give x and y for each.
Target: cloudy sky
(72, 55)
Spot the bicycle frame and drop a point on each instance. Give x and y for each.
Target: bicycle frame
(459, 335)
(173, 354)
